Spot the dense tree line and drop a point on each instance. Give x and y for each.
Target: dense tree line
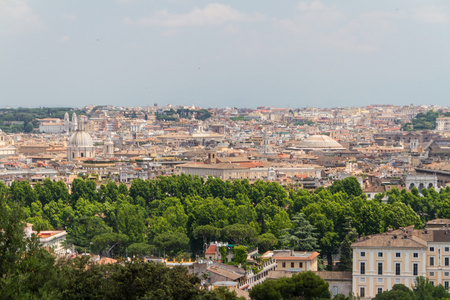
(423, 289)
(28, 271)
(304, 285)
(29, 117)
(238, 118)
(178, 215)
(165, 117)
(184, 113)
(424, 121)
(201, 114)
(309, 286)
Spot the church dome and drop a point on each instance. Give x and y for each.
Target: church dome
(81, 139)
(320, 142)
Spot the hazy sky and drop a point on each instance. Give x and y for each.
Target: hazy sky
(230, 53)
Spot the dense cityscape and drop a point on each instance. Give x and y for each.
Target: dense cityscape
(207, 150)
(354, 199)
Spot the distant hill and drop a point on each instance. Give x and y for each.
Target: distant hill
(423, 121)
(14, 120)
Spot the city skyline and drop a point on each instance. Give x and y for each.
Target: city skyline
(224, 54)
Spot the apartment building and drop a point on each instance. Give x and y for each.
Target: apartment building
(51, 239)
(232, 275)
(54, 239)
(294, 261)
(230, 168)
(400, 256)
(443, 124)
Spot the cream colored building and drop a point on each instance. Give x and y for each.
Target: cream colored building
(443, 124)
(50, 239)
(230, 168)
(52, 127)
(102, 168)
(293, 261)
(54, 240)
(398, 257)
(7, 147)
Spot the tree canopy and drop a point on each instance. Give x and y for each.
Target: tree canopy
(193, 212)
(423, 289)
(304, 285)
(28, 271)
(423, 121)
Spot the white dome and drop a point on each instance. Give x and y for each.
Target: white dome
(81, 139)
(320, 142)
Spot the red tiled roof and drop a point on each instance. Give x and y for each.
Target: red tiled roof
(211, 249)
(251, 164)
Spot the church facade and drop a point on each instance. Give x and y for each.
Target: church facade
(80, 144)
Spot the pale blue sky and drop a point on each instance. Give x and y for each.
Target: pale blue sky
(230, 53)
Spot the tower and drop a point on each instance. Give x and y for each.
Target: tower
(66, 122)
(74, 123)
(212, 158)
(108, 147)
(266, 143)
(271, 174)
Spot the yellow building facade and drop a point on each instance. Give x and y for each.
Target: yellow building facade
(399, 257)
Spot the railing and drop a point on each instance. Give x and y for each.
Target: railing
(253, 279)
(252, 251)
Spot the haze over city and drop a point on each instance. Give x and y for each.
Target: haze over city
(217, 54)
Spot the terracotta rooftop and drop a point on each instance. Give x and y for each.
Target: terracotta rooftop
(404, 238)
(311, 256)
(46, 234)
(211, 249)
(291, 255)
(438, 222)
(221, 166)
(228, 274)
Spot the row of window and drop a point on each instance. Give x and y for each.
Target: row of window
(379, 280)
(446, 261)
(300, 265)
(398, 254)
(397, 266)
(446, 249)
(362, 269)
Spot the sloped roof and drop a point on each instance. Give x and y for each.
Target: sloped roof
(394, 239)
(233, 159)
(226, 273)
(211, 249)
(306, 257)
